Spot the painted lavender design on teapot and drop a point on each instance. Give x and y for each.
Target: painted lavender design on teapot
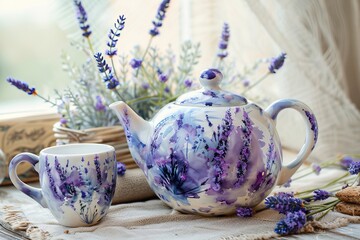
(212, 151)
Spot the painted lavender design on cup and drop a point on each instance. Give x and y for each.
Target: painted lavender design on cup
(77, 181)
(212, 151)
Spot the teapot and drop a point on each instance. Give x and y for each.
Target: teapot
(212, 151)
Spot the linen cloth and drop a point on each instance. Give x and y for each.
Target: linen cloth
(152, 219)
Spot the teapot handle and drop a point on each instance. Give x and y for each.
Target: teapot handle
(310, 139)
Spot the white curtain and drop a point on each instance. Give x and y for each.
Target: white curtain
(322, 40)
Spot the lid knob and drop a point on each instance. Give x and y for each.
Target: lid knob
(211, 78)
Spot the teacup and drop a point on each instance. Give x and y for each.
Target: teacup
(77, 181)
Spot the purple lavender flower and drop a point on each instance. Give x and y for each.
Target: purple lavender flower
(167, 89)
(53, 187)
(292, 223)
(104, 68)
(162, 76)
(22, 86)
(145, 86)
(82, 18)
(284, 203)
(173, 175)
(160, 15)
(244, 212)
(316, 168)
(246, 82)
(245, 152)
(313, 124)
(114, 35)
(288, 183)
(121, 168)
(224, 41)
(98, 170)
(99, 105)
(188, 83)
(346, 161)
(59, 170)
(321, 195)
(277, 62)
(220, 151)
(135, 63)
(354, 168)
(63, 121)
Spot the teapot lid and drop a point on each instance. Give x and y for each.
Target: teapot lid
(211, 94)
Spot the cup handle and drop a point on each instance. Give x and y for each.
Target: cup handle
(310, 139)
(34, 193)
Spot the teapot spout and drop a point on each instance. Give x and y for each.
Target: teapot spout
(137, 130)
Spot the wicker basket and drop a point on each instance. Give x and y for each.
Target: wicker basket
(114, 136)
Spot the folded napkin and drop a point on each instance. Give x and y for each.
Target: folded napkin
(131, 187)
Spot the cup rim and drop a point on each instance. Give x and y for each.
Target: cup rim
(93, 148)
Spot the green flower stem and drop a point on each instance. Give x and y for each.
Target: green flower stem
(173, 98)
(326, 185)
(220, 61)
(113, 67)
(256, 83)
(79, 106)
(119, 95)
(324, 214)
(150, 79)
(327, 206)
(307, 174)
(144, 55)
(46, 100)
(322, 165)
(71, 119)
(141, 99)
(90, 46)
(92, 103)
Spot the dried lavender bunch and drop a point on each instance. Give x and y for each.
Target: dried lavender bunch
(300, 208)
(146, 79)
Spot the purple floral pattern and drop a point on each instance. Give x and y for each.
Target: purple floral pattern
(77, 186)
(211, 152)
(219, 155)
(314, 125)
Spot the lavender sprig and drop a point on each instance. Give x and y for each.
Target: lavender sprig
(320, 194)
(316, 168)
(160, 15)
(99, 105)
(354, 168)
(244, 212)
(108, 77)
(121, 168)
(292, 223)
(157, 23)
(114, 35)
(104, 69)
(135, 63)
(284, 202)
(23, 86)
(82, 17)
(224, 41)
(346, 161)
(275, 64)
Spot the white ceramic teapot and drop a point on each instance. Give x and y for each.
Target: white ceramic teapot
(212, 151)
